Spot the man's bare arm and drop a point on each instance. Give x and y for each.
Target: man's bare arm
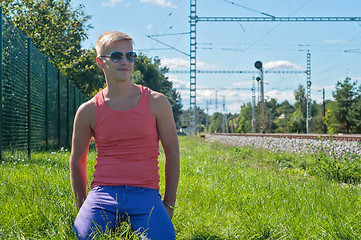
(168, 136)
(80, 144)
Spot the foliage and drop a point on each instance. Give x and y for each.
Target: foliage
(284, 113)
(53, 26)
(245, 119)
(85, 73)
(355, 112)
(298, 119)
(216, 123)
(345, 98)
(344, 168)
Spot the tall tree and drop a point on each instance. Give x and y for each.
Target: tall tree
(245, 119)
(85, 73)
(54, 27)
(284, 113)
(355, 114)
(216, 123)
(298, 118)
(345, 98)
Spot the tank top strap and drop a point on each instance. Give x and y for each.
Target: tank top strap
(144, 99)
(99, 100)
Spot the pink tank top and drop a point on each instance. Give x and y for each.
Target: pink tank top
(127, 144)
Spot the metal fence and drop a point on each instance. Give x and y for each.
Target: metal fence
(37, 101)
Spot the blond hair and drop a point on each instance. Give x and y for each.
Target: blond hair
(110, 37)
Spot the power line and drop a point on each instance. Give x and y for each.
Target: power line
(168, 45)
(236, 4)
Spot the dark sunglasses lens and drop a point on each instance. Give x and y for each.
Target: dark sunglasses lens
(131, 56)
(116, 56)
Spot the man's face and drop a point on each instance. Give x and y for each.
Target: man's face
(117, 71)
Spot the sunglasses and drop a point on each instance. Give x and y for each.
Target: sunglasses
(117, 56)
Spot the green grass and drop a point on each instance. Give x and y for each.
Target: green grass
(224, 193)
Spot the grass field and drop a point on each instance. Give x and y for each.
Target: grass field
(224, 193)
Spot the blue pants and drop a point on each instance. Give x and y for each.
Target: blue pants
(106, 206)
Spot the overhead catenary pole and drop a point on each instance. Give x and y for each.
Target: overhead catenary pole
(308, 99)
(193, 67)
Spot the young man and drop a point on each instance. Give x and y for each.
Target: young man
(126, 121)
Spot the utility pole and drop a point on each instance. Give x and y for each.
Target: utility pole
(192, 67)
(309, 101)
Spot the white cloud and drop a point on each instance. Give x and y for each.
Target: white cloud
(178, 83)
(280, 96)
(177, 63)
(162, 3)
(149, 27)
(280, 64)
(110, 3)
(174, 63)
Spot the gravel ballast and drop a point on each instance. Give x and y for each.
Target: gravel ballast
(294, 145)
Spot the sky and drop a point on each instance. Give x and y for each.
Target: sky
(335, 47)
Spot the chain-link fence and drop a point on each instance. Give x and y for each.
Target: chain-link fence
(37, 101)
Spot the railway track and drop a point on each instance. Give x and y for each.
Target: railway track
(343, 137)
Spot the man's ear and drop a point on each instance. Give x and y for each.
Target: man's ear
(99, 62)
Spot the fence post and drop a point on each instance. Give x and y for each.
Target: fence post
(67, 112)
(75, 107)
(46, 103)
(29, 97)
(1, 81)
(58, 99)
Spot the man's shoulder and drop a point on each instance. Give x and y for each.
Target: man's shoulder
(157, 96)
(88, 107)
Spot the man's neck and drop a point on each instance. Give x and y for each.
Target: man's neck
(120, 90)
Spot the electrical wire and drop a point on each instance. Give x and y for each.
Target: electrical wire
(253, 10)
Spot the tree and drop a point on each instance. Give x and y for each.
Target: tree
(355, 112)
(345, 98)
(53, 26)
(284, 113)
(216, 123)
(245, 119)
(317, 118)
(85, 73)
(270, 114)
(330, 120)
(298, 118)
